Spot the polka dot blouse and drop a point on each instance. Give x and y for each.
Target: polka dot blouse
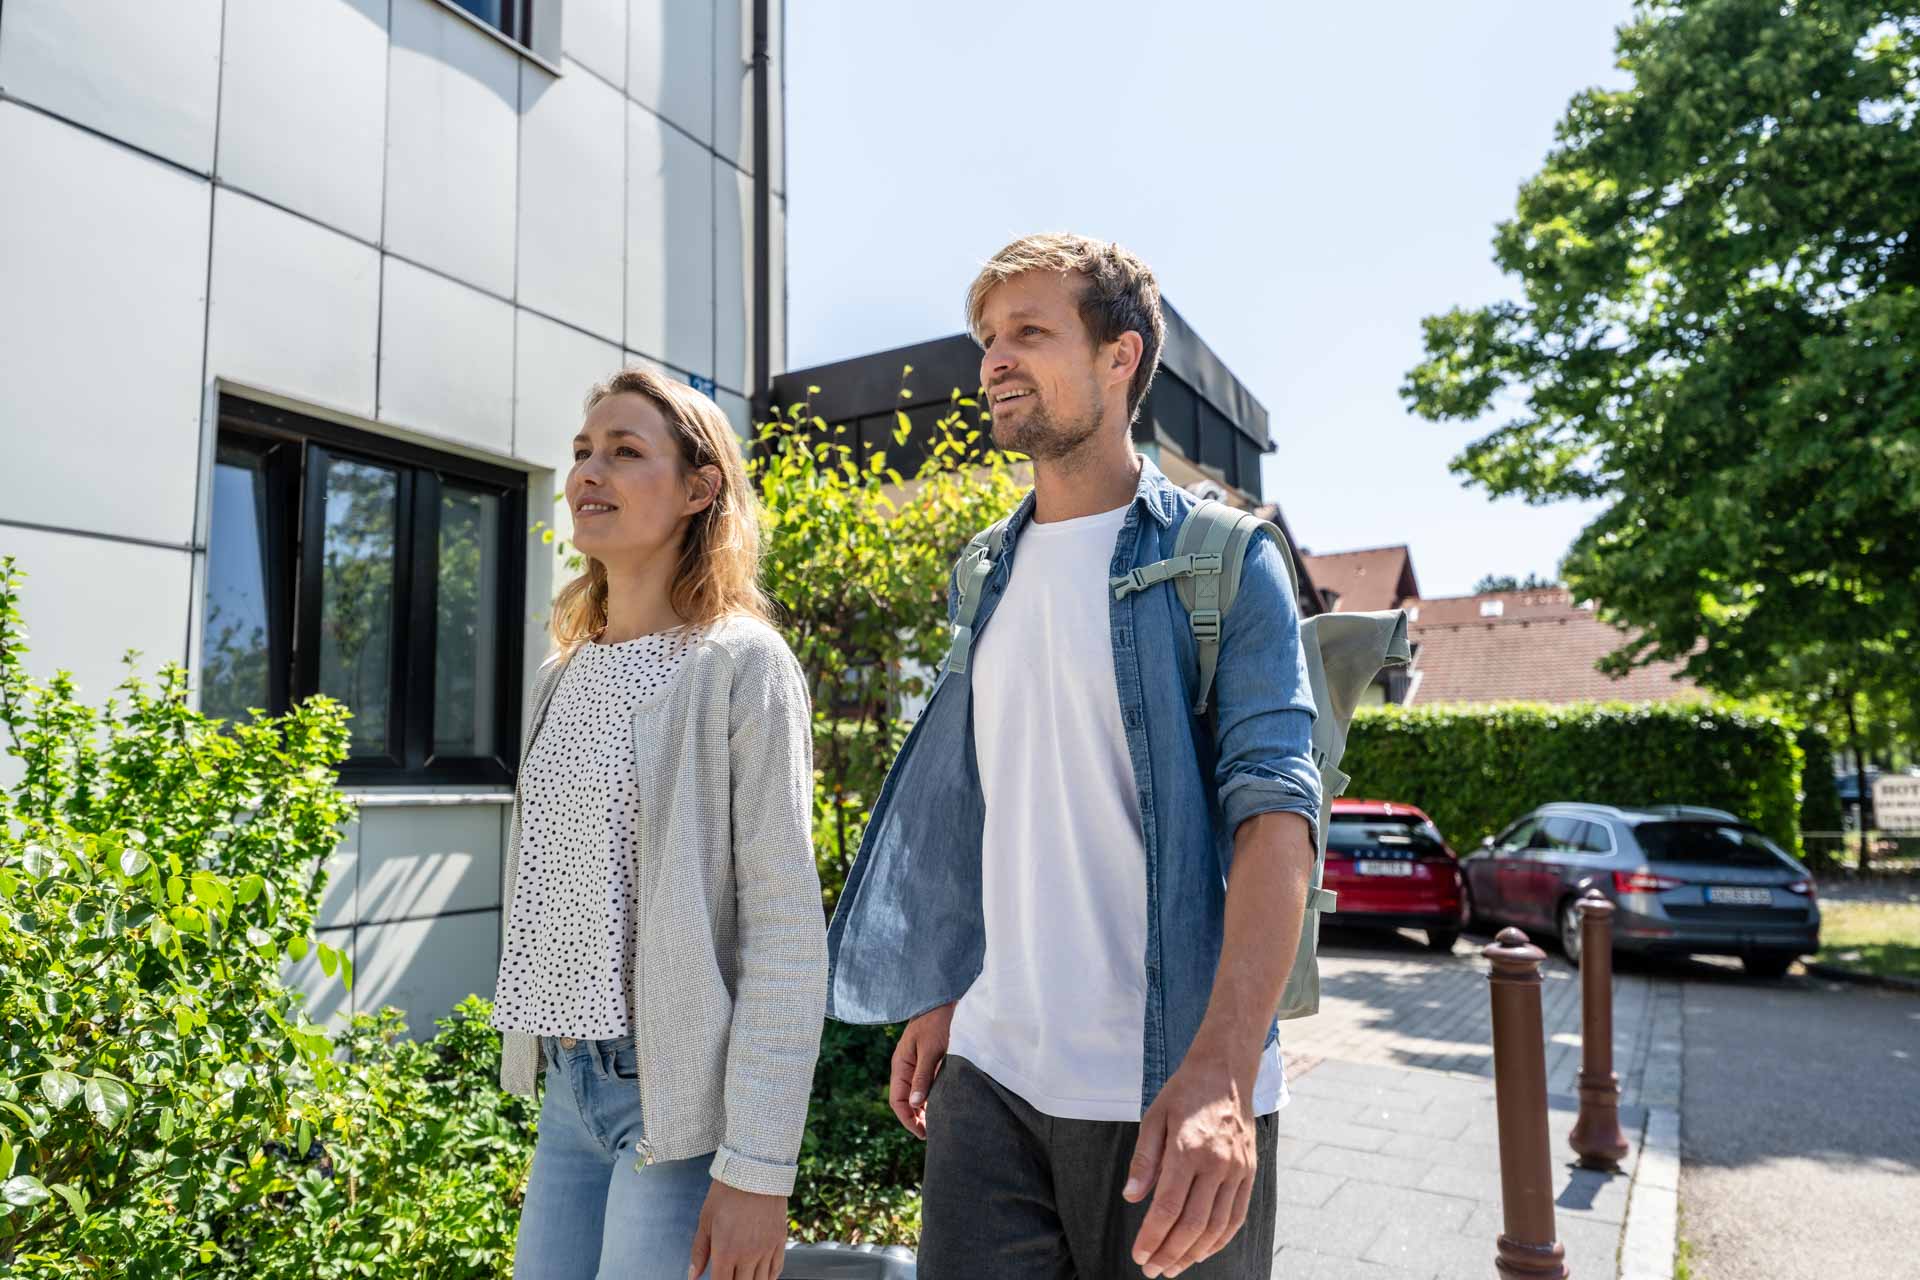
(566, 969)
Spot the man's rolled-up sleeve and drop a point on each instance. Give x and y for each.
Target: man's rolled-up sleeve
(1263, 699)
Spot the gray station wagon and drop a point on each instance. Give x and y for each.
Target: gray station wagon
(1683, 880)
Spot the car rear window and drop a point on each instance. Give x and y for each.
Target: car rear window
(1405, 836)
(1718, 843)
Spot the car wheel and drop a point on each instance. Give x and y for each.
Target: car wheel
(1442, 940)
(1771, 964)
(1475, 921)
(1570, 930)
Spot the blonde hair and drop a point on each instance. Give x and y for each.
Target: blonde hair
(1120, 295)
(719, 570)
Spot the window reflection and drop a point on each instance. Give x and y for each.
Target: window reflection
(466, 639)
(356, 597)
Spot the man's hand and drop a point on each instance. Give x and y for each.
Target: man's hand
(916, 1061)
(1196, 1143)
(742, 1236)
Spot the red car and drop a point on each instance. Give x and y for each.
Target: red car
(1392, 870)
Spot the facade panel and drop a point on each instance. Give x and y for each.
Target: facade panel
(303, 107)
(572, 225)
(104, 256)
(453, 124)
(670, 245)
(295, 309)
(670, 62)
(446, 358)
(148, 74)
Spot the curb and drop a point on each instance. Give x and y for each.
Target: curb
(1909, 985)
(1652, 1230)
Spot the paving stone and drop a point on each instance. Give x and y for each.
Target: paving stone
(1448, 1255)
(1365, 1165)
(1303, 1264)
(1340, 1235)
(1451, 1152)
(1305, 1187)
(1342, 1133)
(1335, 1090)
(1449, 1123)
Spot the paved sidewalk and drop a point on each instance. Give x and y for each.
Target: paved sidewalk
(1390, 1164)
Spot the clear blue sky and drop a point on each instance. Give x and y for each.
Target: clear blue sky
(1307, 181)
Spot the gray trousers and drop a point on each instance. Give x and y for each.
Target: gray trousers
(1016, 1195)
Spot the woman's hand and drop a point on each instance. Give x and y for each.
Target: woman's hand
(742, 1236)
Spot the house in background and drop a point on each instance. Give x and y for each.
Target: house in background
(1371, 580)
(1365, 581)
(301, 299)
(1536, 646)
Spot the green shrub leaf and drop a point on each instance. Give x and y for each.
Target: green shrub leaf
(24, 1191)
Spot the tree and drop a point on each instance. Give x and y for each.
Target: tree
(857, 557)
(1507, 582)
(1719, 298)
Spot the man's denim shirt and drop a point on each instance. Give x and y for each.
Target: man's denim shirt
(909, 936)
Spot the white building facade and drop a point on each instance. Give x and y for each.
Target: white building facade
(298, 303)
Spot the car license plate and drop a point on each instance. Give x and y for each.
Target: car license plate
(1727, 896)
(1384, 868)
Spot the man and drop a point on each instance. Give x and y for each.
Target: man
(1085, 897)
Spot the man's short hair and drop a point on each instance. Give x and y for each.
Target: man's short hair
(1120, 293)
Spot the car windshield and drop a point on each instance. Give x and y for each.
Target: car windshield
(1718, 843)
(1403, 836)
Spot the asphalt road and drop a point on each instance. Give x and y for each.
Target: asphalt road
(1800, 1128)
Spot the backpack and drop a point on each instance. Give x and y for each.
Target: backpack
(1344, 651)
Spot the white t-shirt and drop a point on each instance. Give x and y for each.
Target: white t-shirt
(1058, 1013)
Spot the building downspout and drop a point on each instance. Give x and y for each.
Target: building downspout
(759, 394)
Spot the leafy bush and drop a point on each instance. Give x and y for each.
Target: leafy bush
(859, 1169)
(421, 1174)
(1476, 769)
(858, 558)
(155, 870)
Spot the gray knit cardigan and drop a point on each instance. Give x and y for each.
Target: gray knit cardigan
(730, 944)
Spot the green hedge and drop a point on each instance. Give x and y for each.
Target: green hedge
(1476, 769)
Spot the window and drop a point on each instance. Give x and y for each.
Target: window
(1709, 842)
(380, 574)
(1367, 835)
(513, 18)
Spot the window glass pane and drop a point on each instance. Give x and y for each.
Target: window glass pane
(1594, 838)
(488, 11)
(466, 652)
(1708, 842)
(1560, 833)
(356, 597)
(233, 669)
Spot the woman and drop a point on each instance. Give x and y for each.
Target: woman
(665, 953)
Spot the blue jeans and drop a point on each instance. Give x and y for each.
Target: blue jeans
(592, 1212)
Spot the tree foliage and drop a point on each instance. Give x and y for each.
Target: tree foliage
(858, 558)
(1715, 332)
(1507, 582)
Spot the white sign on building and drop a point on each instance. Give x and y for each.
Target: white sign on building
(1896, 803)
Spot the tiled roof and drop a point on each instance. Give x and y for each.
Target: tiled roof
(1550, 602)
(1541, 652)
(1366, 580)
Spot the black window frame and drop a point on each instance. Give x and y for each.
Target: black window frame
(295, 446)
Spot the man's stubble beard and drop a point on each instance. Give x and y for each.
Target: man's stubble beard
(1044, 438)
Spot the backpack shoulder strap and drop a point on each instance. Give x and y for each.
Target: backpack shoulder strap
(1208, 555)
(970, 578)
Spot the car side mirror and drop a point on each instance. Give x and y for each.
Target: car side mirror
(1486, 842)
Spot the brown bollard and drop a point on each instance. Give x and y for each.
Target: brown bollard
(1526, 1249)
(1596, 1134)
